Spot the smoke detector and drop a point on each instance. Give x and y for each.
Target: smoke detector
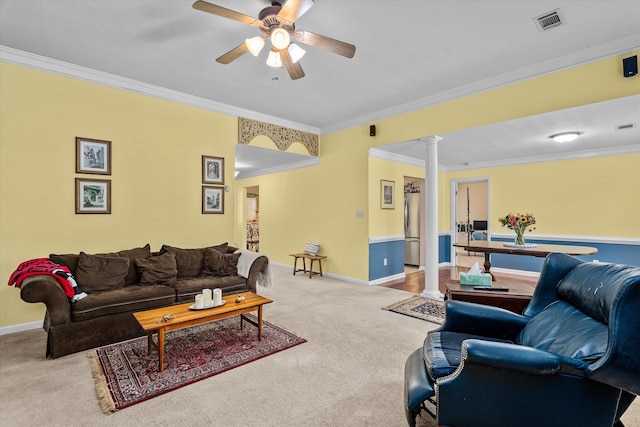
(549, 20)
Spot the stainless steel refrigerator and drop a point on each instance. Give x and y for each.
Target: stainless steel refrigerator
(412, 228)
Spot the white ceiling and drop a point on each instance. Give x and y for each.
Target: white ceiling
(410, 54)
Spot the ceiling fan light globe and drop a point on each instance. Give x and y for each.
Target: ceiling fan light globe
(280, 38)
(296, 52)
(274, 60)
(255, 45)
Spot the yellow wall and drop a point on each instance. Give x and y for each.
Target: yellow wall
(318, 203)
(597, 196)
(157, 149)
(156, 173)
(388, 222)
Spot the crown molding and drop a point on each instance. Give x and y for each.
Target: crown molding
(314, 161)
(42, 63)
(575, 59)
(607, 151)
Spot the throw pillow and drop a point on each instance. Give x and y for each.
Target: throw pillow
(68, 260)
(157, 270)
(189, 261)
(312, 248)
(219, 264)
(134, 254)
(222, 248)
(99, 273)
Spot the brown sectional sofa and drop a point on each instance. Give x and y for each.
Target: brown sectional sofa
(120, 283)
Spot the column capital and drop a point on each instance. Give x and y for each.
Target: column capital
(433, 139)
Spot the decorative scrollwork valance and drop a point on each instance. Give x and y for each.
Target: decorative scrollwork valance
(283, 137)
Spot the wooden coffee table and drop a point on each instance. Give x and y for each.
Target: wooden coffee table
(165, 319)
(515, 299)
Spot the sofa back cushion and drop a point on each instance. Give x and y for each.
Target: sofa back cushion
(96, 273)
(563, 329)
(157, 270)
(188, 261)
(134, 254)
(68, 260)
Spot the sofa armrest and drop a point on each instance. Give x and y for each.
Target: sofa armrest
(258, 267)
(46, 289)
(483, 320)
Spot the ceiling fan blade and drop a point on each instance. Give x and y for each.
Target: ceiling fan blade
(327, 43)
(294, 69)
(233, 54)
(293, 10)
(227, 13)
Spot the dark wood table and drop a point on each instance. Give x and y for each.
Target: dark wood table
(515, 299)
(540, 251)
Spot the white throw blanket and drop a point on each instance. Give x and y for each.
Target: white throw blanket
(244, 266)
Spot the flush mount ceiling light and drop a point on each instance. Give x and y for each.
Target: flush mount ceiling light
(565, 136)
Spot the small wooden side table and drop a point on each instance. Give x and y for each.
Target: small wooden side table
(515, 299)
(305, 257)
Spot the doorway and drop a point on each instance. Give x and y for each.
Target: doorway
(252, 203)
(470, 218)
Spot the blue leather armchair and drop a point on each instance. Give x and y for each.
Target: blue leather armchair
(572, 358)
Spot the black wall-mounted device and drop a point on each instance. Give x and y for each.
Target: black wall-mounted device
(372, 130)
(630, 66)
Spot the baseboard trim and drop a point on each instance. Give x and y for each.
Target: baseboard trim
(6, 330)
(386, 279)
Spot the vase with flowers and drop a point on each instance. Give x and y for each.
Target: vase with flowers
(519, 223)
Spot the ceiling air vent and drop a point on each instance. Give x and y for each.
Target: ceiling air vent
(626, 126)
(549, 20)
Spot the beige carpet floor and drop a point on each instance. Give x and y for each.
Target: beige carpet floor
(349, 373)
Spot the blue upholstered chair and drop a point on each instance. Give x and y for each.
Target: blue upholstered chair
(479, 235)
(572, 358)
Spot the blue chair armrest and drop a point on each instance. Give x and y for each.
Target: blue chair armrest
(519, 358)
(483, 320)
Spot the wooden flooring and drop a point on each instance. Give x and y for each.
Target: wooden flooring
(414, 281)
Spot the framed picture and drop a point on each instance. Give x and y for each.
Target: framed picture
(212, 170)
(212, 200)
(387, 194)
(93, 156)
(93, 196)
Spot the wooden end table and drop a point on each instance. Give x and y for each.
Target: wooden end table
(153, 321)
(305, 257)
(515, 299)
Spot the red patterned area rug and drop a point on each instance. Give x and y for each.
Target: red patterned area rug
(420, 308)
(125, 374)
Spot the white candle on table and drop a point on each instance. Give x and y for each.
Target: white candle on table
(199, 301)
(206, 293)
(217, 296)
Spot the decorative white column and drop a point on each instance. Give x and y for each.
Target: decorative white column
(431, 220)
